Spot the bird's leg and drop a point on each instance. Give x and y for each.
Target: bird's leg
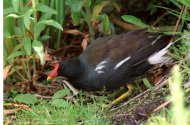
(122, 97)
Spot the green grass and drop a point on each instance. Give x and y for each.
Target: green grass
(79, 113)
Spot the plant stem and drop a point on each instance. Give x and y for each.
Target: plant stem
(60, 17)
(22, 77)
(25, 64)
(28, 67)
(34, 3)
(89, 22)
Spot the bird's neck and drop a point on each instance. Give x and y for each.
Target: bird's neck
(71, 69)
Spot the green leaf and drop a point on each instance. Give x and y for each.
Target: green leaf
(134, 20)
(26, 18)
(6, 33)
(76, 9)
(15, 4)
(17, 31)
(13, 15)
(45, 16)
(17, 47)
(185, 2)
(44, 8)
(76, 16)
(8, 11)
(60, 103)
(26, 41)
(39, 49)
(99, 7)
(147, 83)
(26, 98)
(15, 54)
(75, 5)
(40, 28)
(105, 23)
(51, 23)
(61, 93)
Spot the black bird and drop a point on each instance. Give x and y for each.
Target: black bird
(111, 62)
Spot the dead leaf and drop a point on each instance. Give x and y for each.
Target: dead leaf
(6, 71)
(74, 32)
(85, 42)
(11, 111)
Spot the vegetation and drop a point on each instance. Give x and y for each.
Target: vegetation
(37, 33)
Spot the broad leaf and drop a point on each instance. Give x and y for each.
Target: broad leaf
(105, 23)
(75, 5)
(44, 8)
(15, 4)
(17, 31)
(76, 16)
(185, 2)
(40, 28)
(134, 20)
(60, 103)
(27, 20)
(76, 9)
(38, 47)
(15, 54)
(45, 16)
(17, 47)
(8, 11)
(51, 23)
(61, 93)
(26, 41)
(26, 98)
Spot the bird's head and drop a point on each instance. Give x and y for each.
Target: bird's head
(54, 72)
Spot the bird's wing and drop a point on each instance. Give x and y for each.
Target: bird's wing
(114, 47)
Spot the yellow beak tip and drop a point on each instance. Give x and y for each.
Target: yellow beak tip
(49, 78)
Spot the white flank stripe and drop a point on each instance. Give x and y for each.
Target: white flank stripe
(159, 57)
(101, 63)
(99, 72)
(121, 62)
(100, 66)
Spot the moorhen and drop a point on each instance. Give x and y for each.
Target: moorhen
(111, 62)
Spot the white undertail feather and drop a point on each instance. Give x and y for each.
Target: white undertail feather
(159, 57)
(121, 62)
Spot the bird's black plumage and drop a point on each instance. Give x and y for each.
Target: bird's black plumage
(110, 62)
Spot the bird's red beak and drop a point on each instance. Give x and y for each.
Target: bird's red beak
(53, 73)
